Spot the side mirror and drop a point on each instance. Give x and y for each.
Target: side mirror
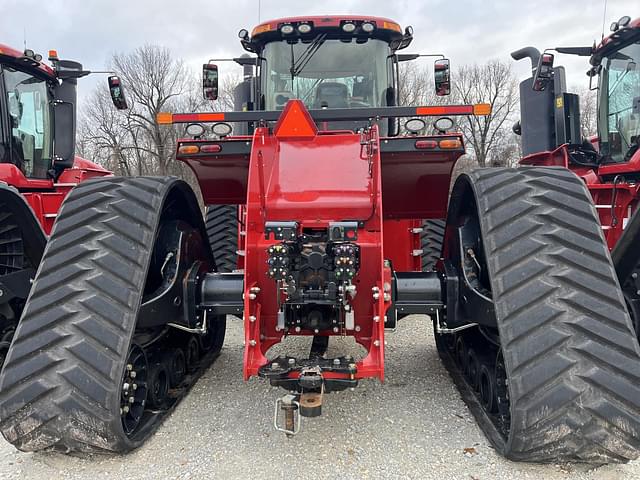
(442, 76)
(210, 81)
(117, 93)
(544, 72)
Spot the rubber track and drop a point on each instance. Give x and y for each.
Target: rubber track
(60, 384)
(221, 222)
(572, 359)
(431, 242)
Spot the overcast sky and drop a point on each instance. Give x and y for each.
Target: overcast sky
(466, 31)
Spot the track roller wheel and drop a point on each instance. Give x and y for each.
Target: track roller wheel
(487, 388)
(177, 366)
(559, 360)
(461, 353)
(192, 353)
(473, 368)
(111, 280)
(159, 381)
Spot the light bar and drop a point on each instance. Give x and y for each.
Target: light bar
(326, 114)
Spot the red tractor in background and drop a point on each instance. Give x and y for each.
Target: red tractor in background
(38, 168)
(129, 306)
(608, 162)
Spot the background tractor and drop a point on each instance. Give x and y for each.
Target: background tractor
(608, 162)
(38, 167)
(128, 305)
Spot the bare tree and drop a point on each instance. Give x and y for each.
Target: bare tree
(489, 136)
(588, 110)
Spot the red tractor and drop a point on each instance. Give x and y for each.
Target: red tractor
(128, 305)
(609, 162)
(38, 167)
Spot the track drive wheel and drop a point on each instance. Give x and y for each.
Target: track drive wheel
(559, 363)
(110, 281)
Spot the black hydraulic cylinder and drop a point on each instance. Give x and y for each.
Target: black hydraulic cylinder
(221, 293)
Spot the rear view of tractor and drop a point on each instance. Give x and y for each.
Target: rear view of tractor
(38, 168)
(608, 162)
(129, 304)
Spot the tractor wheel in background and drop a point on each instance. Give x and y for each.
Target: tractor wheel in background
(431, 243)
(118, 250)
(558, 359)
(222, 229)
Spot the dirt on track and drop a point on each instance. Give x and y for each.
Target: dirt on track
(413, 426)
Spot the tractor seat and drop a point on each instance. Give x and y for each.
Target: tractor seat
(332, 95)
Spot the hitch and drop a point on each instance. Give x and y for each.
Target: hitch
(296, 406)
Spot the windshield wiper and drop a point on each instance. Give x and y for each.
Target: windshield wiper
(298, 65)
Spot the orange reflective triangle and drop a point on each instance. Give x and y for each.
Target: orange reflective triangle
(295, 122)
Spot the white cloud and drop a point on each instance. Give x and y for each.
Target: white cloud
(196, 30)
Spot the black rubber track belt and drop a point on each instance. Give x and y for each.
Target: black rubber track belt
(572, 359)
(431, 243)
(61, 381)
(222, 229)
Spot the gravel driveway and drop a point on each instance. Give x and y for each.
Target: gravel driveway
(413, 426)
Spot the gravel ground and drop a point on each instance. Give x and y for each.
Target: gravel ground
(413, 426)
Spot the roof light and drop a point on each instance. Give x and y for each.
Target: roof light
(53, 56)
(243, 34)
(37, 57)
(368, 27)
(188, 149)
(304, 28)
(391, 26)
(348, 27)
(286, 29)
(624, 21)
(261, 29)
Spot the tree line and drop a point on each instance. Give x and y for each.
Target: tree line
(131, 142)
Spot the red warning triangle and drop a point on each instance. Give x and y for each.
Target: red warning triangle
(295, 122)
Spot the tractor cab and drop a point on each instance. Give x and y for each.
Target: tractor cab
(327, 63)
(38, 115)
(550, 116)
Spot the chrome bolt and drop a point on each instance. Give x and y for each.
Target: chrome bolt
(129, 367)
(336, 361)
(376, 318)
(357, 328)
(133, 374)
(125, 387)
(298, 329)
(274, 366)
(252, 296)
(134, 387)
(125, 409)
(376, 343)
(292, 361)
(376, 296)
(252, 318)
(252, 343)
(132, 399)
(336, 329)
(387, 297)
(255, 290)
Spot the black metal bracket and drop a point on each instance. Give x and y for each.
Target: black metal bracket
(281, 230)
(279, 369)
